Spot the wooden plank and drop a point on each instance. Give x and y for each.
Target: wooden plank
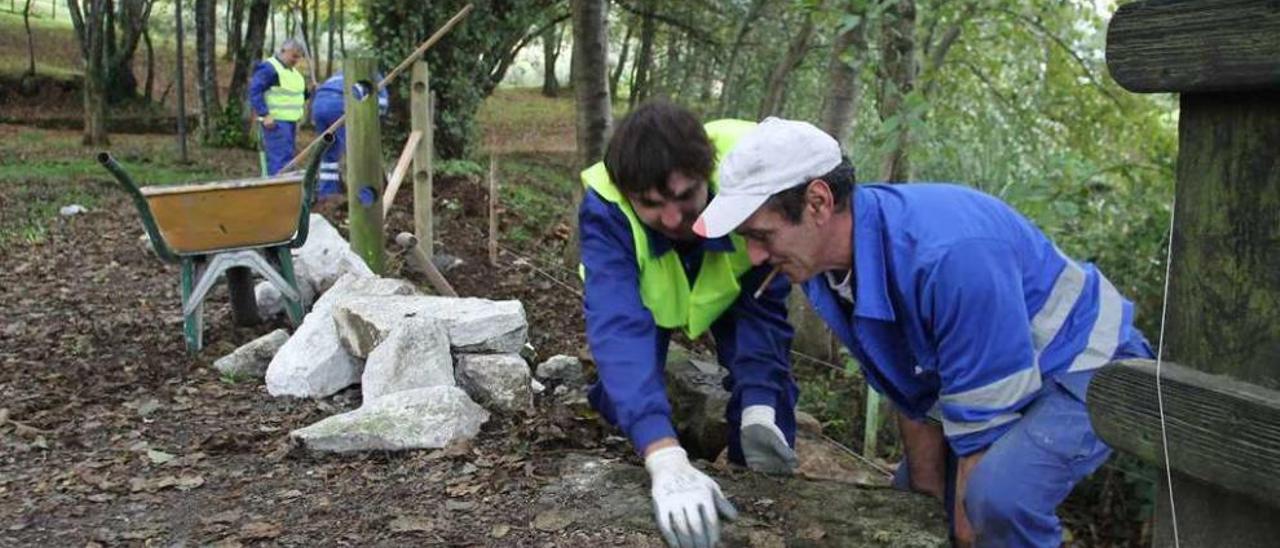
(420, 262)
(397, 174)
(493, 211)
(1221, 431)
(364, 164)
(1203, 45)
(422, 113)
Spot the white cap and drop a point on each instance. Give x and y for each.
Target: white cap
(774, 156)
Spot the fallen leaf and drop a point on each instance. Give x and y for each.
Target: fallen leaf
(500, 530)
(159, 457)
(552, 521)
(187, 483)
(229, 516)
(408, 524)
(259, 530)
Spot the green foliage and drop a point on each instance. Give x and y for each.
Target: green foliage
(230, 129)
(466, 64)
(458, 168)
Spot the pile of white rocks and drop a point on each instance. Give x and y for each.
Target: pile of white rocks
(430, 369)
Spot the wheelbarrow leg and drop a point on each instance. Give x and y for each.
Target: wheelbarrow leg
(295, 307)
(192, 317)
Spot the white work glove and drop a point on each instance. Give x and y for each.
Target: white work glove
(763, 445)
(686, 502)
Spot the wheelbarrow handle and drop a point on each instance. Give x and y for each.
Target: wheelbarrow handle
(309, 190)
(144, 210)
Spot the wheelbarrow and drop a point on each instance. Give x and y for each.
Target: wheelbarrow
(234, 228)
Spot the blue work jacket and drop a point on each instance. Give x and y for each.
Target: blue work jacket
(963, 309)
(753, 338)
(329, 95)
(264, 78)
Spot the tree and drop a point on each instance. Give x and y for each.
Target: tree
(622, 62)
(250, 49)
(207, 68)
(88, 18)
(840, 103)
(591, 84)
(644, 57)
(775, 93)
(550, 53)
(897, 80)
(468, 63)
(234, 20)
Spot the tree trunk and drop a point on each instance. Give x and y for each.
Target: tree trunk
(342, 27)
(235, 29)
(622, 61)
(250, 49)
(591, 93)
(775, 93)
(729, 89)
(151, 67)
(207, 68)
(90, 29)
(897, 80)
(328, 65)
(644, 57)
(181, 79)
(550, 52)
(840, 104)
(31, 45)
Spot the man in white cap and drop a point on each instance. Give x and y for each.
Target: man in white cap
(958, 309)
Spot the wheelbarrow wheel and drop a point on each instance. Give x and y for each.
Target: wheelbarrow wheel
(244, 305)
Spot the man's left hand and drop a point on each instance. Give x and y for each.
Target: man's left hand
(763, 445)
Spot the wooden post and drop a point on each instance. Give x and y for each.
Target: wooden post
(422, 114)
(364, 162)
(493, 211)
(1223, 57)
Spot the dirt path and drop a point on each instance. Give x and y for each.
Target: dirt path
(110, 434)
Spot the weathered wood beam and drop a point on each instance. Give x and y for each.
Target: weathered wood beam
(364, 164)
(1181, 46)
(402, 168)
(1220, 430)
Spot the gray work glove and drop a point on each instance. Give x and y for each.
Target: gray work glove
(763, 445)
(686, 502)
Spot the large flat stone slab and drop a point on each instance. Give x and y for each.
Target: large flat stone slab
(474, 325)
(423, 418)
(597, 493)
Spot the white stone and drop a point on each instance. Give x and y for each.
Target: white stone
(251, 359)
(313, 363)
(497, 381)
(72, 210)
(415, 355)
(423, 418)
(317, 265)
(474, 325)
(563, 369)
(536, 386)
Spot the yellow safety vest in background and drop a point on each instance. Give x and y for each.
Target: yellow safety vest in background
(285, 101)
(664, 288)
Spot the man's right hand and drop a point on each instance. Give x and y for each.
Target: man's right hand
(268, 122)
(686, 502)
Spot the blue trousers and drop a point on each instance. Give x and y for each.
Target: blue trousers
(330, 176)
(1012, 496)
(277, 146)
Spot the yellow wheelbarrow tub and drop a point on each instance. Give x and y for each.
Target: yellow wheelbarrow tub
(200, 218)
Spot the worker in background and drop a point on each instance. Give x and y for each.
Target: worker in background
(277, 96)
(982, 333)
(647, 275)
(327, 108)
